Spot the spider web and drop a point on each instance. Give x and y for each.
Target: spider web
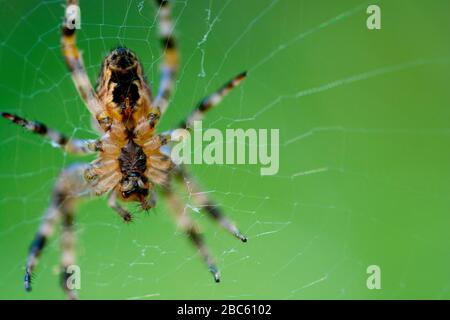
(363, 151)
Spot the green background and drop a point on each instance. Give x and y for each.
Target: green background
(364, 149)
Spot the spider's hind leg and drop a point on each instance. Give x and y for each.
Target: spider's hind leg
(170, 61)
(74, 60)
(69, 187)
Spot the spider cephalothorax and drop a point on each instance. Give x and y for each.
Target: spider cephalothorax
(129, 163)
(133, 165)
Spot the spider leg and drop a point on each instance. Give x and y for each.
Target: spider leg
(186, 224)
(69, 187)
(112, 202)
(76, 146)
(210, 101)
(45, 230)
(74, 60)
(212, 209)
(149, 203)
(170, 61)
(67, 252)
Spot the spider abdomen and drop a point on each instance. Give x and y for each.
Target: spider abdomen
(123, 89)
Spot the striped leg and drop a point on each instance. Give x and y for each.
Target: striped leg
(45, 230)
(212, 209)
(74, 59)
(212, 100)
(170, 63)
(69, 145)
(187, 225)
(69, 187)
(67, 252)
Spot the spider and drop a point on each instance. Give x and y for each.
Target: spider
(131, 163)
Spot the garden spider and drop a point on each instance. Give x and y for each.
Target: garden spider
(130, 162)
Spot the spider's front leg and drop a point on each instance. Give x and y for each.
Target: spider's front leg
(69, 187)
(187, 225)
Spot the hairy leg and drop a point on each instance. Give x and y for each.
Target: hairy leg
(67, 252)
(69, 187)
(75, 62)
(211, 208)
(214, 99)
(76, 146)
(187, 225)
(170, 62)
